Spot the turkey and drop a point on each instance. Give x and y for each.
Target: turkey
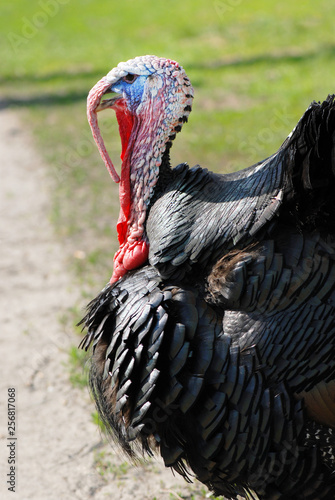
(213, 343)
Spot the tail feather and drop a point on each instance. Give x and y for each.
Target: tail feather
(310, 172)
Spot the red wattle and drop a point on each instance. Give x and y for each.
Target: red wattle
(126, 122)
(136, 255)
(128, 257)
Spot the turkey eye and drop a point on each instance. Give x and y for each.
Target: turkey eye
(129, 78)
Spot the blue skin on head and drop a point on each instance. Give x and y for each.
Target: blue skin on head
(131, 91)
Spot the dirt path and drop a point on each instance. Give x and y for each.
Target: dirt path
(56, 445)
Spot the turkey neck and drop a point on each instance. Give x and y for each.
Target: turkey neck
(145, 158)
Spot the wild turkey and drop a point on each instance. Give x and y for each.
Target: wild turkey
(214, 341)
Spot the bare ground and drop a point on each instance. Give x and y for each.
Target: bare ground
(57, 445)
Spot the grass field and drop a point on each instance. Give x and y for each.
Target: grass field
(255, 66)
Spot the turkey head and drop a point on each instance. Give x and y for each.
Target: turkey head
(152, 99)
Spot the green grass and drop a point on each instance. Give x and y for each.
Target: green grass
(105, 467)
(78, 374)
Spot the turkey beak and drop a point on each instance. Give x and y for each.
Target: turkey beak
(108, 103)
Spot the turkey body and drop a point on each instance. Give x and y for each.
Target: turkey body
(218, 350)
